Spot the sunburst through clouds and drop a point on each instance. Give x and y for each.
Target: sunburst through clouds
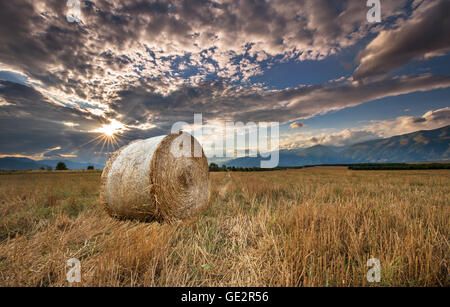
(109, 135)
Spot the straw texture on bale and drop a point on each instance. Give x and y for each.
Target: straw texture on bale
(149, 180)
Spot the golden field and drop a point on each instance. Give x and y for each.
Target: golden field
(309, 227)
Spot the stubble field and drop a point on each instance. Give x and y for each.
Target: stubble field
(309, 227)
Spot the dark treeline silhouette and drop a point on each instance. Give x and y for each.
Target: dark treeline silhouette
(399, 166)
(213, 167)
(61, 166)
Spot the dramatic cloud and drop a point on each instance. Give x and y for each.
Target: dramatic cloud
(433, 119)
(296, 125)
(170, 43)
(40, 123)
(136, 67)
(424, 35)
(30, 124)
(217, 100)
(406, 124)
(341, 138)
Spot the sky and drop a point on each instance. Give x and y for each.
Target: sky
(126, 70)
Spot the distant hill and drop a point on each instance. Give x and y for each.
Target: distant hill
(318, 154)
(14, 163)
(420, 146)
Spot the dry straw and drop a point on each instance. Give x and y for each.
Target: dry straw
(156, 179)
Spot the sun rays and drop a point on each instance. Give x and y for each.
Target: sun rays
(109, 135)
(109, 138)
(110, 130)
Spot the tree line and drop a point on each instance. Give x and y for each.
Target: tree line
(213, 167)
(399, 166)
(61, 166)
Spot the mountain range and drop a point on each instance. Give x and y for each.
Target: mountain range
(15, 163)
(420, 146)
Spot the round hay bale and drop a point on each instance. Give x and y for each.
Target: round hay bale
(156, 179)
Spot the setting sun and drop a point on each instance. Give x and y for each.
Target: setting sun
(109, 135)
(108, 130)
(111, 129)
